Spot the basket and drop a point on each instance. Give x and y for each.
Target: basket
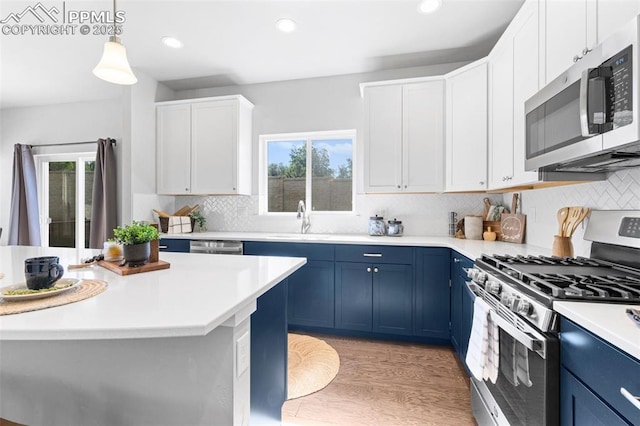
(164, 224)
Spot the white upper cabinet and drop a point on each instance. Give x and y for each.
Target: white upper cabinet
(404, 136)
(501, 114)
(173, 144)
(526, 82)
(466, 128)
(570, 30)
(613, 13)
(423, 137)
(204, 146)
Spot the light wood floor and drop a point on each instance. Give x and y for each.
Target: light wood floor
(387, 384)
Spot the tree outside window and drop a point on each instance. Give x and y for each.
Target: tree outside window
(329, 187)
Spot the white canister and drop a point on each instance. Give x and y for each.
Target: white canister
(473, 227)
(112, 251)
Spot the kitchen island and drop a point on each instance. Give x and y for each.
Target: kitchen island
(162, 347)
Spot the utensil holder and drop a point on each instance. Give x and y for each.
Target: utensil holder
(562, 246)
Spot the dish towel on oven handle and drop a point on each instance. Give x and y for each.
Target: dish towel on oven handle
(476, 358)
(492, 364)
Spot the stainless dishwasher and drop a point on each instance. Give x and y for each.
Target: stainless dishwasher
(216, 247)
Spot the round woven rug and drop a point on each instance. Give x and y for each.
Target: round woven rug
(313, 364)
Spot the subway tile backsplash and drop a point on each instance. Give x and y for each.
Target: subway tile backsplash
(621, 191)
(427, 214)
(421, 214)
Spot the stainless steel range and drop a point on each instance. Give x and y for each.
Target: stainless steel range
(521, 291)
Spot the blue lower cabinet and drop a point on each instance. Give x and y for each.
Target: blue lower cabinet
(374, 297)
(462, 300)
(432, 308)
(269, 356)
(311, 295)
(311, 288)
(579, 406)
(468, 299)
(392, 299)
(177, 245)
(354, 296)
(603, 370)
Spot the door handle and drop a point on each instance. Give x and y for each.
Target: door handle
(372, 254)
(631, 398)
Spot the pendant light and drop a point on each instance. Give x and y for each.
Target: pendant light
(114, 66)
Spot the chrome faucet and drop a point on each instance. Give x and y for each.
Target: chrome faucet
(302, 214)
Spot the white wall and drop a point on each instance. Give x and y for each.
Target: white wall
(74, 122)
(138, 166)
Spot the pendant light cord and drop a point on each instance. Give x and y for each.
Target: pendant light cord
(115, 34)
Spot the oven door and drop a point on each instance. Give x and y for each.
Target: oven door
(526, 391)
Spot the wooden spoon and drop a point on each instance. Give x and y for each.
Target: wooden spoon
(572, 219)
(562, 217)
(585, 212)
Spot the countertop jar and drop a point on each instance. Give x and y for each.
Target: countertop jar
(377, 226)
(395, 228)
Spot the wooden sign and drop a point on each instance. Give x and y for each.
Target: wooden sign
(512, 228)
(512, 225)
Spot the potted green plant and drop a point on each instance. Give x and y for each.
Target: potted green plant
(135, 240)
(200, 220)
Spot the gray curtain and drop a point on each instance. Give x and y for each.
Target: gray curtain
(104, 207)
(24, 225)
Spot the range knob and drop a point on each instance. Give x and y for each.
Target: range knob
(493, 287)
(525, 308)
(507, 300)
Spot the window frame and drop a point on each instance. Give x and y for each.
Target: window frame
(308, 137)
(42, 174)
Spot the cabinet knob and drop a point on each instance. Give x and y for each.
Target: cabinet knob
(585, 51)
(481, 183)
(368, 269)
(456, 260)
(398, 186)
(233, 189)
(186, 189)
(375, 269)
(405, 187)
(576, 58)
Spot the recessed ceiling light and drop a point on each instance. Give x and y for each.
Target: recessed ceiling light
(286, 25)
(172, 42)
(429, 6)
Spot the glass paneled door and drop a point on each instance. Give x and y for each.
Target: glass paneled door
(66, 188)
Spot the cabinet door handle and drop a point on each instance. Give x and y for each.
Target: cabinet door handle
(372, 254)
(576, 58)
(481, 183)
(456, 260)
(368, 269)
(163, 247)
(585, 51)
(631, 398)
(375, 269)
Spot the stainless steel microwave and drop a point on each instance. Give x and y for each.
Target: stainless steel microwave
(587, 118)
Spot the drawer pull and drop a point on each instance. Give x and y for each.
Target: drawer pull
(163, 247)
(631, 398)
(372, 254)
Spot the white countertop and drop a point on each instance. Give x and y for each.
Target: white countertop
(196, 294)
(470, 248)
(605, 320)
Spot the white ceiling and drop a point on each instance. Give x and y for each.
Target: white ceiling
(235, 42)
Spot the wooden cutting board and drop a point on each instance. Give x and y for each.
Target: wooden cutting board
(126, 270)
(512, 225)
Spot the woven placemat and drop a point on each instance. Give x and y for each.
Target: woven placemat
(85, 290)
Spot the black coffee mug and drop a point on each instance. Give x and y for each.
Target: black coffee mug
(42, 272)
